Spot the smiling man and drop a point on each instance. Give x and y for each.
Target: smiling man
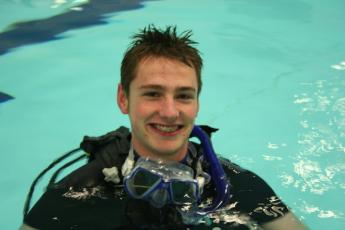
(154, 177)
(162, 104)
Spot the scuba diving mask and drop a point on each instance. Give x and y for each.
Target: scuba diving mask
(162, 183)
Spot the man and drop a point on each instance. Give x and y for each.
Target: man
(154, 177)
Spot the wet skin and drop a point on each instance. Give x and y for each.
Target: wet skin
(162, 105)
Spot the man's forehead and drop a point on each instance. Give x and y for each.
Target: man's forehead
(162, 64)
(162, 73)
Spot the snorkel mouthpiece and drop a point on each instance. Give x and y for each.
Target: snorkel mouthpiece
(218, 176)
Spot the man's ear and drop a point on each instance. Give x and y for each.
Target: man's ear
(122, 100)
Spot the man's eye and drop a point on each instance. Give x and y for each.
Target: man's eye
(151, 94)
(185, 96)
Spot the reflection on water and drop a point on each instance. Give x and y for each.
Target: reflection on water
(319, 165)
(85, 14)
(5, 97)
(313, 209)
(323, 113)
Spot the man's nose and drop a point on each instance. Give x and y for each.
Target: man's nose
(169, 109)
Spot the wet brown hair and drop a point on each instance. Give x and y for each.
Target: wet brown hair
(155, 42)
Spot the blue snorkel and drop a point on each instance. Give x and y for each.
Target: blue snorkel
(161, 183)
(218, 176)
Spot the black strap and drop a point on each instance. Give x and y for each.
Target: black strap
(38, 178)
(57, 172)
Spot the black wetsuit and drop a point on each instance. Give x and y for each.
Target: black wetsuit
(85, 201)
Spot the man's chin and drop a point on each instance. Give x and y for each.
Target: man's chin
(169, 151)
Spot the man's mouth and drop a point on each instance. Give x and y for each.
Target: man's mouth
(166, 128)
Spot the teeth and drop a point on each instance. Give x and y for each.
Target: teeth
(164, 128)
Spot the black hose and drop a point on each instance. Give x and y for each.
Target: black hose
(33, 185)
(57, 172)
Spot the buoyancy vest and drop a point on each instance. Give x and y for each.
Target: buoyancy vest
(111, 150)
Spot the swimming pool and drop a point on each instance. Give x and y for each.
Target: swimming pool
(275, 68)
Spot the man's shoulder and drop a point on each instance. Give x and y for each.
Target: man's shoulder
(105, 146)
(246, 183)
(231, 167)
(238, 174)
(251, 194)
(105, 151)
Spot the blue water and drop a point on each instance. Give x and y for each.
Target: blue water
(274, 83)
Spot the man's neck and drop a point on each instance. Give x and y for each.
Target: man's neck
(156, 155)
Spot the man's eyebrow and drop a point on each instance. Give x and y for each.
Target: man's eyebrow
(151, 87)
(160, 87)
(186, 88)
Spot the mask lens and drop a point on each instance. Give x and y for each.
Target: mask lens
(142, 182)
(183, 192)
(159, 198)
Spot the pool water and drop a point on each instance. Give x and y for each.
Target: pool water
(274, 83)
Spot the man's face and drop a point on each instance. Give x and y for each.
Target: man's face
(162, 106)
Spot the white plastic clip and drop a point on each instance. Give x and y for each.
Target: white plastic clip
(111, 175)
